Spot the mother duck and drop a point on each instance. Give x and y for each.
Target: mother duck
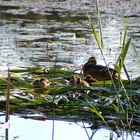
(99, 72)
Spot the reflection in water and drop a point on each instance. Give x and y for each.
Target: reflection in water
(27, 129)
(6, 134)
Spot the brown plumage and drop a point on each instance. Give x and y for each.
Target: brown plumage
(41, 83)
(82, 82)
(90, 79)
(73, 80)
(99, 72)
(76, 81)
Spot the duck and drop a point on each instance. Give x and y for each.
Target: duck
(36, 82)
(90, 79)
(98, 72)
(77, 81)
(73, 80)
(82, 83)
(41, 83)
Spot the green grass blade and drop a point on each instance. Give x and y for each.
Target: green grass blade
(124, 52)
(125, 34)
(94, 32)
(125, 45)
(93, 109)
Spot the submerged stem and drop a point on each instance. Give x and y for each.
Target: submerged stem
(7, 97)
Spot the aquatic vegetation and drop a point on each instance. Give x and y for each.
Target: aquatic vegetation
(98, 103)
(111, 104)
(122, 101)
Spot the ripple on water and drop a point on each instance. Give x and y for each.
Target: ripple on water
(27, 27)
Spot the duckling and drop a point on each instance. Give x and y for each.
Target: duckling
(90, 79)
(44, 83)
(41, 83)
(76, 81)
(36, 82)
(73, 80)
(82, 83)
(99, 72)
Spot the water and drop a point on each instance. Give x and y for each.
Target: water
(27, 129)
(35, 33)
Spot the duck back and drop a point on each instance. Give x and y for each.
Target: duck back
(99, 72)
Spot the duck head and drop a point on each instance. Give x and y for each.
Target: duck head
(92, 60)
(44, 83)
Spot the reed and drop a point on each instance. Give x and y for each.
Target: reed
(8, 97)
(128, 111)
(125, 46)
(7, 110)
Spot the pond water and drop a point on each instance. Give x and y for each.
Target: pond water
(53, 32)
(27, 129)
(41, 33)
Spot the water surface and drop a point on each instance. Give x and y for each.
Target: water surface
(43, 32)
(38, 33)
(27, 129)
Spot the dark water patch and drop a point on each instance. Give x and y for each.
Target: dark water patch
(34, 13)
(40, 39)
(133, 15)
(8, 7)
(22, 15)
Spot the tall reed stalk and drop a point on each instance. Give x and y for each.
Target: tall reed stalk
(53, 113)
(7, 110)
(118, 67)
(7, 96)
(99, 21)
